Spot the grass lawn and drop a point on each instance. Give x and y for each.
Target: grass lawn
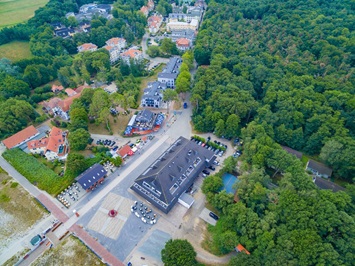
(117, 127)
(18, 210)
(70, 252)
(16, 11)
(15, 50)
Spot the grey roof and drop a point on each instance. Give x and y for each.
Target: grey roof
(172, 173)
(154, 90)
(171, 70)
(187, 198)
(326, 184)
(168, 75)
(145, 115)
(319, 167)
(91, 176)
(293, 152)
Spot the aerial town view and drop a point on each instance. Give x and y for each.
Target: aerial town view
(177, 132)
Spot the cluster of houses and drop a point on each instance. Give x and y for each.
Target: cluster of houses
(52, 144)
(85, 15)
(180, 27)
(116, 48)
(153, 94)
(148, 8)
(60, 107)
(89, 11)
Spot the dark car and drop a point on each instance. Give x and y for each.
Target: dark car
(212, 167)
(115, 148)
(113, 143)
(205, 172)
(214, 216)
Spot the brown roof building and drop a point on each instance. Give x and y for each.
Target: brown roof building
(20, 137)
(57, 88)
(125, 151)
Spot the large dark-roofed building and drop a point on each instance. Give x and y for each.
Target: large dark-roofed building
(172, 173)
(92, 177)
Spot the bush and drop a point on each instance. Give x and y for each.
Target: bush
(14, 184)
(36, 172)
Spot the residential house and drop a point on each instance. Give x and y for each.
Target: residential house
(168, 177)
(319, 169)
(120, 43)
(114, 53)
(55, 146)
(150, 5)
(59, 107)
(183, 44)
(64, 32)
(133, 54)
(57, 88)
(87, 47)
(20, 137)
(92, 177)
(170, 72)
(240, 248)
(70, 92)
(89, 11)
(326, 184)
(153, 94)
(125, 151)
(144, 10)
(154, 23)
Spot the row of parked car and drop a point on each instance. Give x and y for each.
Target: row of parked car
(109, 143)
(218, 151)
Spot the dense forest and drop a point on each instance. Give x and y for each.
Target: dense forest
(21, 82)
(286, 64)
(283, 71)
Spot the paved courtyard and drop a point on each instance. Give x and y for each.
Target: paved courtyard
(111, 226)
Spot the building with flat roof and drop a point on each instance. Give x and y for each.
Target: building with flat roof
(92, 177)
(163, 182)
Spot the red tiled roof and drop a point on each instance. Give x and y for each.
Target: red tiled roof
(20, 136)
(65, 104)
(37, 143)
(88, 46)
(70, 92)
(132, 53)
(55, 139)
(144, 9)
(240, 248)
(81, 88)
(57, 88)
(52, 102)
(115, 41)
(124, 151)
(182, 42)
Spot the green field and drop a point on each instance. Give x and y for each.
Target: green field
(15, 50)
(16, 11)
